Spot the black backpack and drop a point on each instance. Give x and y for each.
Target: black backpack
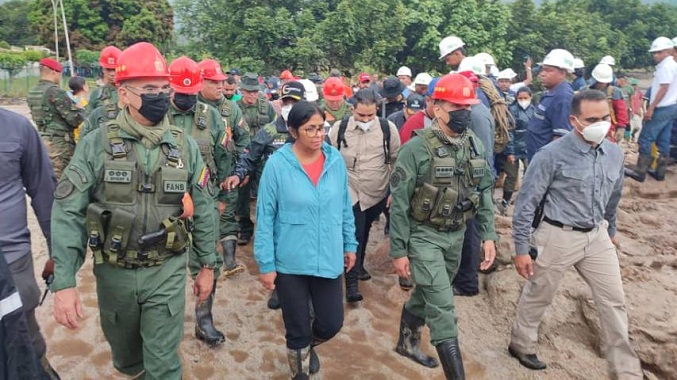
(385, 128)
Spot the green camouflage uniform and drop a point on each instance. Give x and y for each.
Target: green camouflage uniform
(436, 188)
(100, 116)
(56, 117)
(114, 193)
(102, 96)
(256, 116)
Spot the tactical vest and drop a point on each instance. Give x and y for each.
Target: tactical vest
(133, 221)
(201, 133)
(106, 96)
(279, 139)
(45, 114)
(256, 115)
(448, 195)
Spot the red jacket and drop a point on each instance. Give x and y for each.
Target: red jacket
(415, 121)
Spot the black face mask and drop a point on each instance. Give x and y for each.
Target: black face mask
(459, 120)
(184, 102)
(154, 107)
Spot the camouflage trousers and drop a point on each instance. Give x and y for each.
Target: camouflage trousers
(60, 150)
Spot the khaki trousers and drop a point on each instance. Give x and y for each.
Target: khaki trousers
(594, 257)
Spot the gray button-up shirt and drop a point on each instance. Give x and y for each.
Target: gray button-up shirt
(582, 186)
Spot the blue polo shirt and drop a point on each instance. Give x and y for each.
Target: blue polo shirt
(578, 83)
(551, 118)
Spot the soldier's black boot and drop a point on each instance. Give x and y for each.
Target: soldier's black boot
(230, 266)
(299, 363)
(204, 324)
(450, 356)
(409, 344)
(638, 172)
(273, 301)
(661, 168)
(314, 359)
(352, 290)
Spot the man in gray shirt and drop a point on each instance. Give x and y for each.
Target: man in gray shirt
(25, 169)
(578, 181)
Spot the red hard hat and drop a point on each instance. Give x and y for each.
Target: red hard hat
(141, 60)
(473, 78)
(286, 75)
(211, 70)
(109, 57)
(333, 89)
(185, 76)
(455, 88)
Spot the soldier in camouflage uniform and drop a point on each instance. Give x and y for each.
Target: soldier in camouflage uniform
(257, 112)
(237, 139)
(267, 140)
(55, 114)
(106, 94)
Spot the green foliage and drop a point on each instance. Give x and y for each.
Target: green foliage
(87, 57)
(14, 28)
(93, 24)
(4, 45)
(12, 62)
(33, 56)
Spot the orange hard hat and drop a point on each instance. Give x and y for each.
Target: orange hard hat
(455, 88)
(109, 57)
(333, 89)
(211, 70)
(185, 76)
(141, 60)
(287, 75)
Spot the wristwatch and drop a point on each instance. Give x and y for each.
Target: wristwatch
(207, 266)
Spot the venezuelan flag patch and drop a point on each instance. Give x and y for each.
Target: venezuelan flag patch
(203, 180)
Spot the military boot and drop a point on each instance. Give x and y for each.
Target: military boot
(299, 363)
(638, 172)
(409, 344)
(230, 266)
(273, 301)
(661, 168)
(450, 356)
(352, 291)
(47, 367)
(204, 324)
(314, 359)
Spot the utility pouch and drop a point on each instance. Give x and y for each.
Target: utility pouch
(97, 223)
(177, 234)
(117, 234)
(423, 201)
(171, 184)
(477, 169)
(119, 179)
(469, 213)
(443, 213)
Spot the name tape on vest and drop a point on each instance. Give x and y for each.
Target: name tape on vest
(174, 187)
(118, 176)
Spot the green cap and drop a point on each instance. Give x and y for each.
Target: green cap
(633, 81)
(250, 82)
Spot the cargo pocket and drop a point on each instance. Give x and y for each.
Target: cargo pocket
(119, 179)
(426, 273)
(171, 184)
(423, 202)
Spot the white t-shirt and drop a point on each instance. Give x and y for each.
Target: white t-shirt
(666, 73)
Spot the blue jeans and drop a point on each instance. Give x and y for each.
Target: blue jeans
(658, 130)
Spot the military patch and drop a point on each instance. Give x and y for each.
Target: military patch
(397, 176)
(80, 173)
(117, 176)
(174, 186)
(63, 189)
(225, 112)
(478, 172)
(444, 171)
(201, 122)
(203, 179)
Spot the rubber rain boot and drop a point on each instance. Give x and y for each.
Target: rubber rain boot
(230, 266)
(409, 344)
(314, 359)
(352, 290)
(299, 363)
(273, 301)
(638, 172)
(204, 324)
(450, 356)
(661, 168)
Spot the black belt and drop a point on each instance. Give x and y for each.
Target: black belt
(566, 227)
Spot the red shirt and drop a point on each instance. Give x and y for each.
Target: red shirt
(414, 122)
(314, 169)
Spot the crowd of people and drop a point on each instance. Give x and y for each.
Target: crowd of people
(155, 173)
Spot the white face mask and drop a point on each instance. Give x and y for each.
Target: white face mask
(364, 125)
(596, 132)
(524, 103)
(284, 112)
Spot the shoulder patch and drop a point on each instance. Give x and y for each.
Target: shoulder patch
(203, 179)
(397, 176)
(63, 189)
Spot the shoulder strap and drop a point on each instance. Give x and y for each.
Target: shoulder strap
(385, 128)
(173, 153)
(110, 133)
(341, 137)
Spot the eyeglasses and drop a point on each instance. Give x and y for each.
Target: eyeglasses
(151, 90)
(314, 132)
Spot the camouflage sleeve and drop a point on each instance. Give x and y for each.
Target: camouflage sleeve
(202, 192)
(66, 107)
(72, 196)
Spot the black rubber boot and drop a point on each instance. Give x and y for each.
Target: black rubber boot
(352, 290)
(204, 324)
(314, 359)
(49, 371)
(230, 266)
(244, 238)
(299, 363)
(638, 172)
(661, 168)
(406, 284)
(409, 344)
(273, 301)
(450, 356)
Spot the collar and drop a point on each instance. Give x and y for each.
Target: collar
(583, 146)
(167, 137)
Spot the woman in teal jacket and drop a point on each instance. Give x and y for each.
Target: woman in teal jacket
(305, 235)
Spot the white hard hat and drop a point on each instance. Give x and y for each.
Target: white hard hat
(506, 74)
(404, 70)
(660, 44)
(609, 60)
(311, 90)
(423, 78)
(559, 58)
(486, 58)
(471, 64)
(603, 73)
(449, 45)
(578, 63)
(493, 70)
